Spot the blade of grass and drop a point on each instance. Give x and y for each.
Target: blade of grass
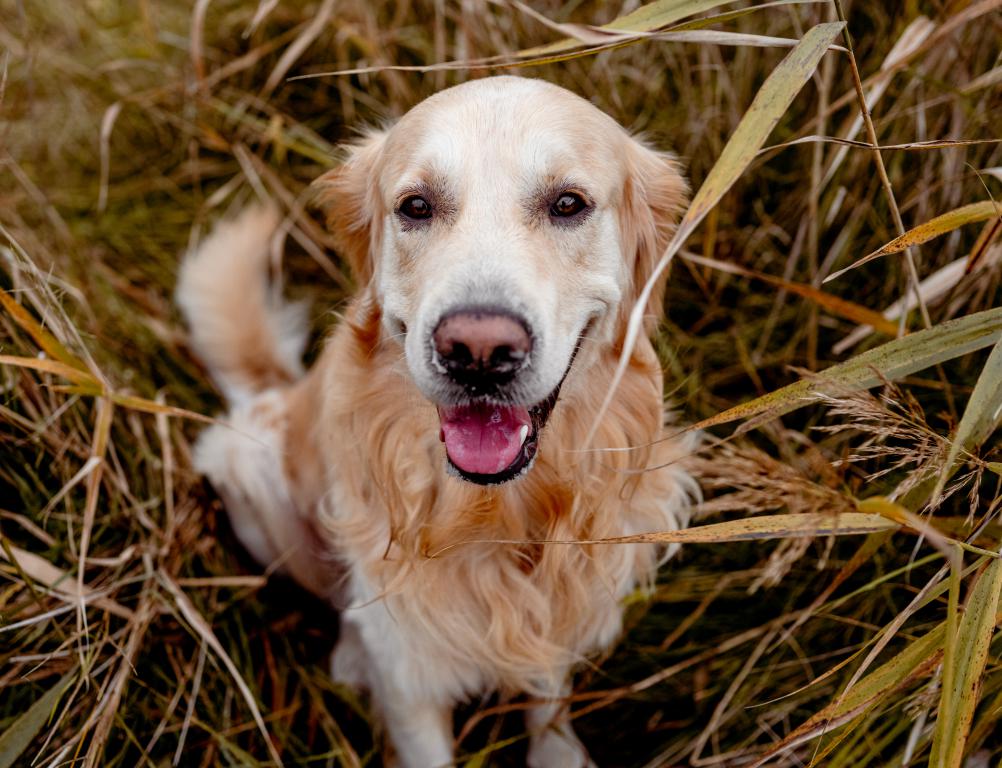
(646, 18)
(204, 631)
(72, 373)
(897, 358)
(785, 526)
(885, 182)
(834, 304)
(22, 731)
(918, 659)
(531, 57)
(159, 409)
(52, 577)
(911, 146)
(45, 340)
(768, 106)
(959, 699)
(947, 222)
(981, 417)
(99, 448)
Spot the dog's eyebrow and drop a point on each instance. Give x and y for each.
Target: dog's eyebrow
(553, 185)
(432, 187)
(550, 187)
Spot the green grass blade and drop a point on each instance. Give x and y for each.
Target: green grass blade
(959, 699)
(918, 659)
(981, 417)
(901, 357)
(768, 106)
(22, 731)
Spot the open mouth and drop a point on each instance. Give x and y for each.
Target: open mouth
(490, 443)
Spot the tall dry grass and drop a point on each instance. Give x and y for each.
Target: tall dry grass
(134, 632)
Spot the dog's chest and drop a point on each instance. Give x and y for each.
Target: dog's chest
(482, 614)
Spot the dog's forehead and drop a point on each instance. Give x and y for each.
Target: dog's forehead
(511, 126)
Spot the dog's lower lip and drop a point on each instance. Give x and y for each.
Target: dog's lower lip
(520, 464)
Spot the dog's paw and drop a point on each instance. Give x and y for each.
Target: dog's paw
(558, 749)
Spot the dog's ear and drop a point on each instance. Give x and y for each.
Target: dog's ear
(654, 196)
(349, 198)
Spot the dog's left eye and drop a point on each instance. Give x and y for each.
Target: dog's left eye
(416, 207)
(567, 204)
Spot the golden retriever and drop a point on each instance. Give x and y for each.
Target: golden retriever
(422, 474)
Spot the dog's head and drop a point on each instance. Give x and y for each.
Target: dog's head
(499, 224)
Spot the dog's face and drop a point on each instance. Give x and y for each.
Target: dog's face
(499, 224)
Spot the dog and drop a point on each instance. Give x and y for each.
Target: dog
(429, 474)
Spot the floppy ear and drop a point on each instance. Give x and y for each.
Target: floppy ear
(350, 200)
(654, 196)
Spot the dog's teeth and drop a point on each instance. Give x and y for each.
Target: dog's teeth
(522, 434)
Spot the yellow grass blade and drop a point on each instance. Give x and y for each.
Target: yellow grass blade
(786, 526)
(768, 106)
(959, 700)
(101, 437)
(45, 340)
(647, 18)
(88, 385)
(149, 406)
(897, 358)
(59, 368)
(767, 527)
(940, 225)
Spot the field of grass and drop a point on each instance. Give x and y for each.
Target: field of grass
(134, 632)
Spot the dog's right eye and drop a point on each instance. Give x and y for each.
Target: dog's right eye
(415, 207)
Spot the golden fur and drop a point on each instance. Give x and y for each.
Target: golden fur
(357, 505)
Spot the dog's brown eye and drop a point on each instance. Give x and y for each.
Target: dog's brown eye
(568, 204)
(416, 207)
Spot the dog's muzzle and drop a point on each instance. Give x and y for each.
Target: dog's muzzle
(489, 438)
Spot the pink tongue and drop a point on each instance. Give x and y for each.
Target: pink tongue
(483, 439)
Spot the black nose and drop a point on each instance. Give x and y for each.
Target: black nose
(481, 348)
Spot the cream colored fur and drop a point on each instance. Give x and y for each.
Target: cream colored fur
(448, 588)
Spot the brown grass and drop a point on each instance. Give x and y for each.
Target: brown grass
(134, 632)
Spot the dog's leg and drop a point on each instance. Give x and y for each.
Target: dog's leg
(552, 741)
(421, 731)
(244, 458)
(416, 712)
(349, 661)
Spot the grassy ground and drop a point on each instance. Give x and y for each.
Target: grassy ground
(127, 128)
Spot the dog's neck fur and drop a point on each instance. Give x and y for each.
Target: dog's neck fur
(421, 536)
